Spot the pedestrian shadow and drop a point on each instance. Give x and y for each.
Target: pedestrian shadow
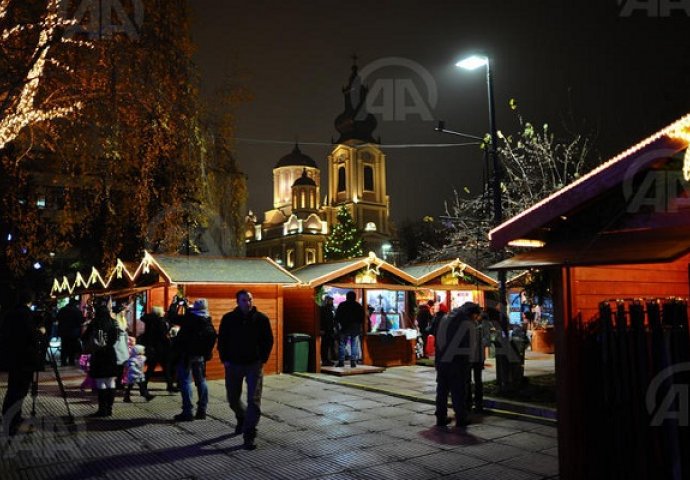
(100, 466)
(110, 424)
(450, 436)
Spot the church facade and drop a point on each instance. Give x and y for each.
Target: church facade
(294, 231)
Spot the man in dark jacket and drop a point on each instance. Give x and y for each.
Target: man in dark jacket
(328, 331)
(349, 317)
(192, 346)
(69, 320)
(452, 362)
(156, 339)
(245, 341)
(22, 337)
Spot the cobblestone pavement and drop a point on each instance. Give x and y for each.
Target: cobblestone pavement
(309, 430)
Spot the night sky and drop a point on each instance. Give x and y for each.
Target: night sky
(578, 66)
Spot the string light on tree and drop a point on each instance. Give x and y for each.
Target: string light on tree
(22, 110)
(345, 241)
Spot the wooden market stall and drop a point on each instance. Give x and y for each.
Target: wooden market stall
(451, 282)
(218, 280)
(379, 286)
(615, 251)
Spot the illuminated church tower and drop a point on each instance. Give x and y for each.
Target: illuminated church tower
(357, 169)
(294, 231)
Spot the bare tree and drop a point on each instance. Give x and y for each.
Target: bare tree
(535, 164)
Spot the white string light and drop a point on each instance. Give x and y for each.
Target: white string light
(24, 112)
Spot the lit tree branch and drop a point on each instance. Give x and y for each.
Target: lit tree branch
(22, 111)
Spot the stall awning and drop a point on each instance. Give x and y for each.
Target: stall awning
(641, 246)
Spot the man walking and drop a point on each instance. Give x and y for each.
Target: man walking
(349, 317)
(21, 340)
(452, 362)
(245, 341)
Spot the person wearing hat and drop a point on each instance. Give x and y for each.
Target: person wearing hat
(245, 341)
(193, 346)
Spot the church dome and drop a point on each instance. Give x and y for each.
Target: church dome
(296, 159)
(304, 180)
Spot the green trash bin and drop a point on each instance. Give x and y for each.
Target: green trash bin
(296, 352)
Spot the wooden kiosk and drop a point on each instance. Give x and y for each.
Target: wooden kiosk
(616, 246)
(218, 280)
(377, 284)
(159, 278)
(451, 283)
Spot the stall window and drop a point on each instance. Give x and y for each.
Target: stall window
(290, 258)
(386, 308)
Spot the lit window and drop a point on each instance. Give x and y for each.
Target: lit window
(290, 258)
(342, 186)
(370, 227)
(368, 178)
(41, 202)
(310, 256)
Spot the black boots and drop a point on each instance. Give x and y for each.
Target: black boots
(106, 397)
(110, 399)
(144, 391)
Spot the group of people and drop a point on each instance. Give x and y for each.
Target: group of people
(244, 343)
(461, 338)
(342, 326)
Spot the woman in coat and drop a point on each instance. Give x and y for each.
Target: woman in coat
(104, 369)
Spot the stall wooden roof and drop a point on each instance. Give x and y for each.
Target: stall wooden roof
(613, 236)
(663, 144)
(424, 272)
(216, 270)
(317, 274)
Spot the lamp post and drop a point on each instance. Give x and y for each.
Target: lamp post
(503, 376)
(471, 63)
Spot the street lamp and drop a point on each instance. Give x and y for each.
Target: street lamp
(472, 63)
(385, 248)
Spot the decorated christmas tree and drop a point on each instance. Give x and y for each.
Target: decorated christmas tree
(344, 241)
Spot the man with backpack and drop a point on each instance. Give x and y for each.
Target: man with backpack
(193, 347)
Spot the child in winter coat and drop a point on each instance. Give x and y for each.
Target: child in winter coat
(134, 374)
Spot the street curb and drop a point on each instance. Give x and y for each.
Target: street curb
(494, 406)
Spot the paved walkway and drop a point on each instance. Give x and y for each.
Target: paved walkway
(419, 383)
(310, 430)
